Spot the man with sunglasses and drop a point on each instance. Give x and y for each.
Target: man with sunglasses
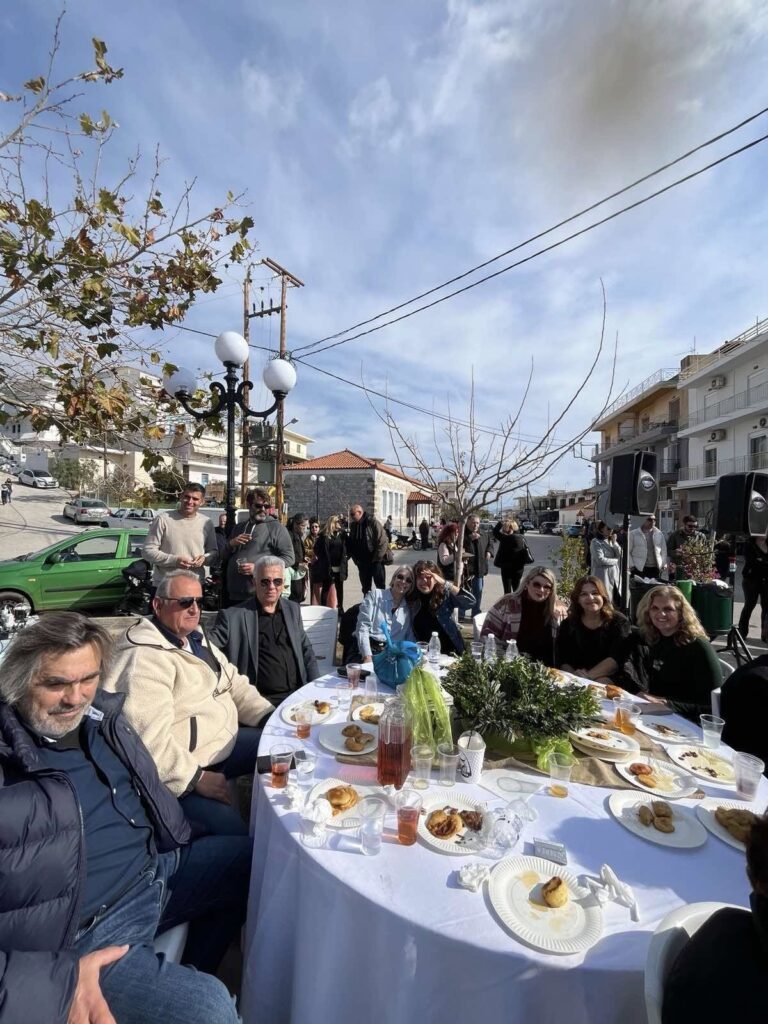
(264, 637)
(647, 550)
(261, 534)
(194, 711)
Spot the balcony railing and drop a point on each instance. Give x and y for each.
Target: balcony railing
(659, 429)
(656, 378)
(744, 400)
(710, 361)
(710, 470)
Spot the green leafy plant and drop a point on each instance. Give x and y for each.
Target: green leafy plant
(698, 558)
(573, 564)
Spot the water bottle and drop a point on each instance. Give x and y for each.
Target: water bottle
(511, 652)
(433, 649)
(489, 651)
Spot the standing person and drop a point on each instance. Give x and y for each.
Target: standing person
(330, 568)
(4, 492)
(478, 545)
(261, 534)
(9, 488)
(677, 541)
(446, 550)
(512, 554)
(184, 539)
(309, 557)
(388, 528)
(647, 550)
(221, 536)
(754, 580)
(606, 561)
(424, 534)
(298, 528)
(368, 548)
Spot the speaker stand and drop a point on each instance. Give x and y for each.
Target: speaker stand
(736, 643)
(625, 566)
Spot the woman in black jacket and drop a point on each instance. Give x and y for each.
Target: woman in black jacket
(330, 566)
(754, 581)
(593, 641)
(512, 554)
(297, 528)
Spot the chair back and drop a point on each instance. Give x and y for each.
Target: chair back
(172, 942)
(669, 938)
(320, 626)
(477, 625)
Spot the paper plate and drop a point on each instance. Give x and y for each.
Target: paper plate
(287, 713)
(514, 891)
(701, 762)
(617, 747)
(349, 818)
(677, 784)
(688, 833)
(663, 731)
(458, 844)
(706, 812)
(331, 738)
(376, 705)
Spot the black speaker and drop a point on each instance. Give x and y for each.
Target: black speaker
(741, 504)
(634, 490)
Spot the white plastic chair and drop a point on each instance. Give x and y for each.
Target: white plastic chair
(172, 942)
(726, 670)
(669, 938)
(320, 627)
(477, 625)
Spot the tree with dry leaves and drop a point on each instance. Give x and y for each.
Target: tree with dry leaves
(92, 265)
(482, 465)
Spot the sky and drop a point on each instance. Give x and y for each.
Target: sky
(383, 149)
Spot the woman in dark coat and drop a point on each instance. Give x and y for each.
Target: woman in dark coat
(754, 581)
(330, 565)
(593, 641)
(511, 554)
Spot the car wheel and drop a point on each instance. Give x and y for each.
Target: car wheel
(14, 598)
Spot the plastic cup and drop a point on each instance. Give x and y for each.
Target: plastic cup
(477, 650)
(281, 755)
(353, 676)
(243, 560)
(305, 769)
(471, 755)
(748, 770)
(371, 687)
(344, 695)
(408, 804)
(626, 715)
(449, 762)
(303, 719)
(560, 768)
(421, 764)
(711, 730)
(371, 811)
(423, 650)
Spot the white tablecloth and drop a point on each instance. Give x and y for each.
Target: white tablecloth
(334, 935)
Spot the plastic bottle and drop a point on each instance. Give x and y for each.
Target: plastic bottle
(489, 651)
(433, 649)
(511, 652)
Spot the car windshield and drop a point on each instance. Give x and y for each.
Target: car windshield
(39, 472)
(32, 555)
(91, 503)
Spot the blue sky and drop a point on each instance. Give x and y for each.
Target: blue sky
(387, 147)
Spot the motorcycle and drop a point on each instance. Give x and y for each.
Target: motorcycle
(137, 599)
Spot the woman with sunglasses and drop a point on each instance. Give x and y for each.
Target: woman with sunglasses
(530, 616)
(432, 604)
(385, 606)
(593, 640)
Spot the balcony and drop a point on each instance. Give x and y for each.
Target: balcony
(658, 379)
(706, 364)
(710, 471)
(736, 403)
(653, 432)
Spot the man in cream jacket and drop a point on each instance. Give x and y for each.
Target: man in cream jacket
(194, 711)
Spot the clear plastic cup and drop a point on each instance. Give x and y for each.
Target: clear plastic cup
(371, 687)
(371, 812)
(477, 650)
(303, 718)
(421, 764)
(408, 805)
(305, 769)
(353, 675)
(449, 761)
(560, 768)
(748, 770)
(280, 755)
(711, 730)
(344, 695)
(626, 715)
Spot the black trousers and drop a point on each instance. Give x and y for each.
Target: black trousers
(754, 590)
(372, 572)
(339, 583)
(510, 579)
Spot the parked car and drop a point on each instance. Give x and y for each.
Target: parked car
(528, 525)
(37, 478)
(129, 516)
(575, 531)
(77, 573)
(557, 530)
(545, 527)
(86, 510)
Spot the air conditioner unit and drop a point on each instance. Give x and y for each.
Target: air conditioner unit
(717, 382)
(764, 421)
(717, 435)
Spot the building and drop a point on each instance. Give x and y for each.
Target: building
(647, 418)
(564, 507)
(726, 429)
(345, 478)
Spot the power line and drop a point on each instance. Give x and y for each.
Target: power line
(541, 234)
(541, 252)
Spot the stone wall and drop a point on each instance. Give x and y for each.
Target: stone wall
(341, 488)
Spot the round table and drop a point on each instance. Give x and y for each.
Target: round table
(335, 935)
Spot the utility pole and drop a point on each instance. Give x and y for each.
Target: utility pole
(246, 396)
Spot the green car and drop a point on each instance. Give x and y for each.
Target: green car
(77, 573)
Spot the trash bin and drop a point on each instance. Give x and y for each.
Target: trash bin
(714, 606)
(685, 587)
(637, 590)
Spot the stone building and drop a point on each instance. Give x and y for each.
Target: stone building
(345, 478)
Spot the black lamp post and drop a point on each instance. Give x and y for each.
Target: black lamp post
(317, 480)
(232, 349)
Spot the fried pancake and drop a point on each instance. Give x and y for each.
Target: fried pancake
(472, 819)
(322, 707)
(661, 809)
(341, 798)
(368, 714)
(638, 768)
(737, 822)
(663, 824)
(613, 691)
(645, 814)
(445, 823)
(555, 892)
(351, 730)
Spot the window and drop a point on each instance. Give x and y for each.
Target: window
(710, 462)
(758, 452)
(91, 549)
(204, 479)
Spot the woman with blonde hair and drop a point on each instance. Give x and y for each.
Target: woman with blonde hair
(593, 641)
(530, 616)
(678, 663)
(329, 569)
(512, 554)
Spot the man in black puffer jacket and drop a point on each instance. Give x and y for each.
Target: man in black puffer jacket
(95, 853)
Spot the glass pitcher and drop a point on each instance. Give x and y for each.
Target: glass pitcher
(395, 741)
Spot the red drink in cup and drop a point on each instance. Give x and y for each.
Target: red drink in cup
(281, 755)
(408, 806)
(279, 776)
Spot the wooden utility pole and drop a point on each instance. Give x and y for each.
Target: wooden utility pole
(246, 400)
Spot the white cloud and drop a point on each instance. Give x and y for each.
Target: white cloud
(374, 110)
(272, 97)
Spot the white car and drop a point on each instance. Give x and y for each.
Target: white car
(125, 517)
(86, 510)
(37, 478)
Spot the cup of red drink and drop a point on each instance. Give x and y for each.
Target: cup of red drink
(281, 755)
(303, 719)
(353, 675)
(408, 804)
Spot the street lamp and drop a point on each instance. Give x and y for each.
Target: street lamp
(232, 349)
(317, 480)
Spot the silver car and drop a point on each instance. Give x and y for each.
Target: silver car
(86, 510)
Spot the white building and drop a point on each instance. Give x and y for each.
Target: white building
(727, 423)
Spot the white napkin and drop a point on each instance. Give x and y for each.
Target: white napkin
(610, 888)
(472, 876)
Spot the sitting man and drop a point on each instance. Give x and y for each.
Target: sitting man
(95, 853)
(265, 637)
(190, 706)
(731, 949)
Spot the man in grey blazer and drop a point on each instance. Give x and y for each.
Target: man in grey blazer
(265, 637)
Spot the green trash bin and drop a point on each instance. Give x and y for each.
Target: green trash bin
(714, 606)
(685, 587)
(637, 590)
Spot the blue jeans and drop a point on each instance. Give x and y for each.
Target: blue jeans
(477, 592)
(206, 884)
(211, 817)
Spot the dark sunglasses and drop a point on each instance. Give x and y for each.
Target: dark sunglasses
(259, 504)
(185, 602)
(272, 583)
(403, 576)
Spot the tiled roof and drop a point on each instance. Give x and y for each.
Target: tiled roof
(348, 459)
(418, 496)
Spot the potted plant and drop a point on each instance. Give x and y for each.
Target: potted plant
(517, 706)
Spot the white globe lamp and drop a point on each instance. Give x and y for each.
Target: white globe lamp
(279, 376)
(231, 348)
(181, 381)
